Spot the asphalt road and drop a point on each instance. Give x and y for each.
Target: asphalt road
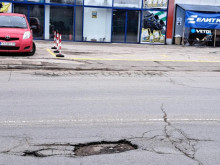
(173, 117)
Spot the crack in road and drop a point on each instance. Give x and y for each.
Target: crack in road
(181, 84)
(184, 144)
(24, 148)
(170, 141)
(9, 76)
(169, 67)
(49, 151)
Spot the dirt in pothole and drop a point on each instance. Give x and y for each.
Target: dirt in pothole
(98, 148)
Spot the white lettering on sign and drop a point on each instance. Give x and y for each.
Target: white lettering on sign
(194, 18)
(210, 20)
(204, 31)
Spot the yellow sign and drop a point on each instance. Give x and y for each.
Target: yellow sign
(155, 3)
(5, 7)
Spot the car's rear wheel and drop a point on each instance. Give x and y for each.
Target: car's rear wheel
(31, 53)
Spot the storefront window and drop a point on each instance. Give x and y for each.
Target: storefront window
(98, 2)
(60, 1)
(125, 26)
(22, 9)
(38, 1)
(153, 27)
(36, 18)
(128, 3)
(79, 2)
(199, 37)
(61, 20)
(97, 24)
(155, 3)
(36, 21)
(78, 23)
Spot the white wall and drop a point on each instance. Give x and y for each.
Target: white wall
(199, 2)
(97, 28)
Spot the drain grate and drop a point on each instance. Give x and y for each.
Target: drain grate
(104, 147)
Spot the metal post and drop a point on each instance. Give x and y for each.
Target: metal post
(183, 38)
(215, 39)
(54, 40)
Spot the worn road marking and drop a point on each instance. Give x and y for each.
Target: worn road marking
(124, 59)
(51, 52)
(96, 121)
(165, 56)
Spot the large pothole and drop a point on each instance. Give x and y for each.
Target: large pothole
(104, 147)
(86, 149)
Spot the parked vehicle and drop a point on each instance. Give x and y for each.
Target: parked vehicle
(15, 34)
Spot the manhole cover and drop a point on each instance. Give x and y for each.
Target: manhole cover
(104, 147)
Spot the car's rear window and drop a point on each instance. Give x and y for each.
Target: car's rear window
(12, 22)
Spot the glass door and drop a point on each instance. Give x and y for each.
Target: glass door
(118, 31)
(125, 26)
(132, 26)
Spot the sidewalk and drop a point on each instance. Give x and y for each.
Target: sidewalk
(138, 52)
(81, 53)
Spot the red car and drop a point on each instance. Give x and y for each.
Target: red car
(15, 34)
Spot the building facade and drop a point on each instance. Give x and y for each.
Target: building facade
(119, 21)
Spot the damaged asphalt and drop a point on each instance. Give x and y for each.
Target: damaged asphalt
(166, 139)
(157, 141)
(80, 56)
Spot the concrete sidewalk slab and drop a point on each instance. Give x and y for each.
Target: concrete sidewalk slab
(138, 52)
(84, 55)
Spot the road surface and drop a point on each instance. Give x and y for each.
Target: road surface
(173, 117)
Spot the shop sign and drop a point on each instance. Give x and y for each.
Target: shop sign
(94, 14)
(153, 27)
(155, 3)
(5, 7)
(202, 20)
(179, 21)
(201, 31)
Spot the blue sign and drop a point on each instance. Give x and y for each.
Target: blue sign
(202, 20)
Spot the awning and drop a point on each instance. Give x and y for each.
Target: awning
(200, 8)
(201, 16)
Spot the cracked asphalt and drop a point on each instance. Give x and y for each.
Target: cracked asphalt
(164, 99)
(172, 117)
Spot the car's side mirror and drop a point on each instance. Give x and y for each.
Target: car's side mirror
(33, 27)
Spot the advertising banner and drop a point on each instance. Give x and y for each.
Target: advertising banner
(202, 20)
(153, 27)
(5, 7)
(40, 1)
(155, 3)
